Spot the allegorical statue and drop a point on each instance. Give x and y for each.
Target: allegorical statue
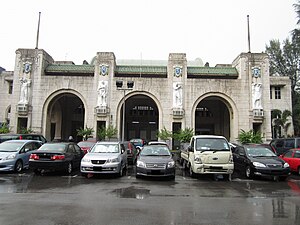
(177, 95)
(102, 93)
(25, 84)
(256, 95)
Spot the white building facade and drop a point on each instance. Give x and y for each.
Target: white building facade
(56, 98)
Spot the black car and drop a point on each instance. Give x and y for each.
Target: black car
(37, 137)
(282, 145)
(258, 160)
(155, 161)
(61, 156)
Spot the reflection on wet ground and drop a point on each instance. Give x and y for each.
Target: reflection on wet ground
(132, 192)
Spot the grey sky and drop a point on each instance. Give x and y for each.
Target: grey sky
(214, 30)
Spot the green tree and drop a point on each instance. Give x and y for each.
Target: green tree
(280, 120)
(4, 128)
(249, 137)
(107, 132)
(164, 134)
(85, 133)
(25, 130)
(184, 135)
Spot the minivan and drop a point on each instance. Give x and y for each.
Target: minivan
(281, 145)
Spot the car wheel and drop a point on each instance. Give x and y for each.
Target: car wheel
(248, 172)
(69, 168)
(299, 170)
(192, 174)
(18, 166)
(121, 172)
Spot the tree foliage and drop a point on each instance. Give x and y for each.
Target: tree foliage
(164, 134)
(249, 137)
(281, 120)
(107, 132)
(4, 128)
(184, 135)
(85, 133)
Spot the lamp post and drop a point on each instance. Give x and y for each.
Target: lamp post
(119, 84)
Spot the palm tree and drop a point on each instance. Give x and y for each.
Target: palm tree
(280, 120)
(297, 10)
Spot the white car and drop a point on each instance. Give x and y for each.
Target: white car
(105, 158)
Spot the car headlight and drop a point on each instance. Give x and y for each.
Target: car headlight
(114, 160)
(11, 156)
(258, 164)
(286, 165)
(85, 159)
(197, 159)
(140, 164)
(171, 164)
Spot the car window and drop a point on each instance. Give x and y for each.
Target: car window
(10, 146)
(259, 151)
(36, 145)
(71, 149)
(288, 154)
(298, 143)
(289, 143)
(105, 148)
(240, 150)
(77, 149)
(279, 143)
(297, 154)
(211, 144)
(53, 147)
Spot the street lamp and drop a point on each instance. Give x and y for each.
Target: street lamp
(119, 84)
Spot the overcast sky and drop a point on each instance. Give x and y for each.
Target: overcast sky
(75, 30)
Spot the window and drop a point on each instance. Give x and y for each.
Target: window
(270, 92)
(288, 154)
(277, 93)
(10, 87)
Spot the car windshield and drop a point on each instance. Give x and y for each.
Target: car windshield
(85, 144)
(106, 148)
(10, 146)
(211, 144)
(259, 152)
(155, 151)
(53, 147)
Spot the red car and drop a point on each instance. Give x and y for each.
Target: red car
(292, 157)
(86, 145)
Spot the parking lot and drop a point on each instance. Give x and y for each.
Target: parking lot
(58, 199)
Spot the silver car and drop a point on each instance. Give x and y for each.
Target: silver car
(105, 158)
(14, 154)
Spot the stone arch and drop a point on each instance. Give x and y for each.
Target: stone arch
(149, 102)
(53, 109)
(229, 105)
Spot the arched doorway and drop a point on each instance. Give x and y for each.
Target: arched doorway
(141, 118)
(212, 117)
(65, 114)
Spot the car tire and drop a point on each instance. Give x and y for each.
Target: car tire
(248, 172)
(69, 169)
(227, 177)
(192, 174)
(298, 171)
(18, 166)
(121, 172)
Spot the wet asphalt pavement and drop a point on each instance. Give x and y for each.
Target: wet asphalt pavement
(57, 199)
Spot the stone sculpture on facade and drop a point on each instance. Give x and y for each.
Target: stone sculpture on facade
(25, 84)
(256, 95)
(177, 95)
(102, 93)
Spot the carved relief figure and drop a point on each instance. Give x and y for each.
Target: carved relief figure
(177, 95)
(256, 96)
(102, 93)
(25, 84)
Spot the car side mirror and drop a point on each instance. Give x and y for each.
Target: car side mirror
(190, 149)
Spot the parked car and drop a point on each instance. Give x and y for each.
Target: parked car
(258, 160)
(38, 137)
(155, 161)
(138, 142)
(14, 154)
(292, 157)
(86, 145)
(281, 145)
(157, 143)
(105, 158)
(56, 156)
(131, 150)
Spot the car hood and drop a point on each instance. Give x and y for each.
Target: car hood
(4, 154)
(155, 159)
(101, 156)
(267, 160)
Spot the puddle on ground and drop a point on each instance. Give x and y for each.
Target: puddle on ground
(132, 192)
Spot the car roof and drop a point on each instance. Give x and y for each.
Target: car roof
(209, 136)
(22, 141)
(108, 142)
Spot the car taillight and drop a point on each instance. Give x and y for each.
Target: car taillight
(34, 157)
(58, 157)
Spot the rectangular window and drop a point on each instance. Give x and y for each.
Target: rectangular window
(271, 92)
(277, 93)
(10, 87)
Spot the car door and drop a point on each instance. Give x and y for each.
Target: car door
(296, 160)
(78, 154)
(27, 150)
(123, 155)
(239, 158)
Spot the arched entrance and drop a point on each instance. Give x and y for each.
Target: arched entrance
(65, 114)
(212, 117)
(141, 118)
